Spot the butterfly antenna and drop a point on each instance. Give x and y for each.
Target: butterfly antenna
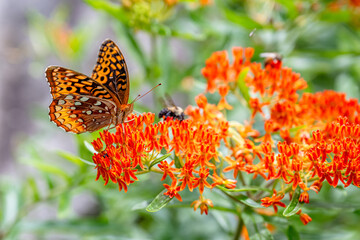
(140, 96)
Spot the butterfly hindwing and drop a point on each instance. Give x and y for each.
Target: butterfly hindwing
(81, 113)
(111, 71)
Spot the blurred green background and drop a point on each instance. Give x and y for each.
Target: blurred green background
(47, 192)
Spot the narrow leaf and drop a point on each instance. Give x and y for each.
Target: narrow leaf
(64, 207)
(48, 168)
(294, 205)
(90, 147)
(241, 19)
(87, 162)
(156, 161)
(249, 202)
(32, 186)
(247, 189)
(242, 85)
(70, 157)
(74, 159)
(112, 9)
(177, 162)
(159, 202)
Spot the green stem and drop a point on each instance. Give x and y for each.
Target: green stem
(239, 228)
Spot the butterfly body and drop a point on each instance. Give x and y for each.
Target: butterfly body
(86, 104)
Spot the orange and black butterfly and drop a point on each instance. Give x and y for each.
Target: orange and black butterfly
(273, 60)
(171, 110)
(86, 104)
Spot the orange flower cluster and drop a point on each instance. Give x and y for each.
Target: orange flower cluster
(221, 76)
(321, 134)
(331, 154)
(121, 155)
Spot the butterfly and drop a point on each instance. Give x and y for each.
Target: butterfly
(87, 104)
(171, 110)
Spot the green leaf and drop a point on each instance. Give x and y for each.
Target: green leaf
(290, 6)
(292, 233)
(74, 159)
(68, 156)
(242, 85)
(255, 226)
(159, 202)
(338, 16)
(112, 9)
(82, 150)
(90, 147)
(31, 183)
(156, 161)
(87, 162)
(177, 162)
(294, 205)
(241, 19)
(48, 168)
(247, 189)
(64, 208)
(249, 202)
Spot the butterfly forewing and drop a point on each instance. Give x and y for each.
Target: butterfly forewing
(64, 81)
(111, 71)
(79, 113)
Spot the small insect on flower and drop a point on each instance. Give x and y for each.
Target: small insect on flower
(272, 59)
(171, 110)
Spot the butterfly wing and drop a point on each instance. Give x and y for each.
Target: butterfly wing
(80, 113)
(64, 81)
(111, 71)
(79, 103)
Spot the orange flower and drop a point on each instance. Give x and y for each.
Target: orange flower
(127, 149)
(98, 145)
(168, 170)
(256, 106)
(274, 201)
(186, 176)
(218, 70)
(172, 191)
(217, 180)
(201, 180)
(305, 219)
(223, 104)
(236, 166)
(203, 204)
